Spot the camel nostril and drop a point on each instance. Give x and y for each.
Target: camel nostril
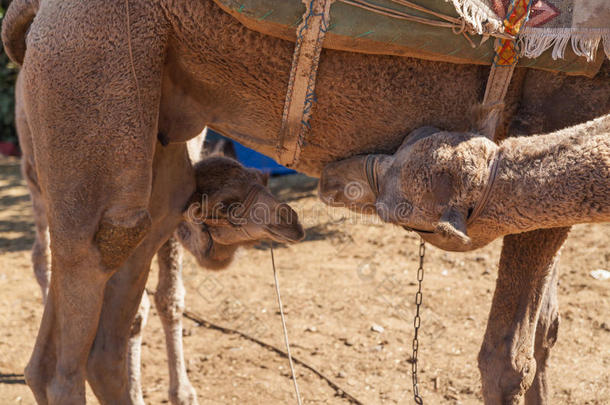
(286, 215)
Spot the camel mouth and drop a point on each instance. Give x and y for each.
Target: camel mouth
(416, 230)
(291, 236)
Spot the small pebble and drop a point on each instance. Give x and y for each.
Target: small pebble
(600, 274)
(377, 328)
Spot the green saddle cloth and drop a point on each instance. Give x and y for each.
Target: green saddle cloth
(355, 29)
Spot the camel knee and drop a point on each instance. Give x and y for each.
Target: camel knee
(119, 234)
(505, 374)
(170, 302)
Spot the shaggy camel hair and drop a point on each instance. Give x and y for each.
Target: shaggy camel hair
(464, 191)
(460, 191)
(103, 79)
(212, 246)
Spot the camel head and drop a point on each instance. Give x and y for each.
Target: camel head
(232, 207)
(434, 185)
(355, 183)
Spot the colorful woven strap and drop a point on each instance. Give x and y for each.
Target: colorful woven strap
(516, 16)
(505, 59)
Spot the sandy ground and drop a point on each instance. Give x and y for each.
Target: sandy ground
(346, 277)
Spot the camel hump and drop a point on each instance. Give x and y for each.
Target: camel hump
(17, 20)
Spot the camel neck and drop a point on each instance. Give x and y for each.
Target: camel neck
(552, 180)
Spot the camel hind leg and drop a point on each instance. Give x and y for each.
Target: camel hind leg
(134, 352)
(40, 248)
(169, 301)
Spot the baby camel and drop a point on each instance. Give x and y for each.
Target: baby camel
(229, 208)
(212, 231)
(460, 191)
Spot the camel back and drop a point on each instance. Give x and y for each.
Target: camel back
(372, 27)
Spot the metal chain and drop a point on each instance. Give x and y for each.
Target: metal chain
(417, 322)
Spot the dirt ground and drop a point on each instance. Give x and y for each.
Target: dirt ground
(349, 275)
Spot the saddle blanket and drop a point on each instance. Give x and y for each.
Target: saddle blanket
(570, 36)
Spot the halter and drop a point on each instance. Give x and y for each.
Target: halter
(371, 171)
(482, 203)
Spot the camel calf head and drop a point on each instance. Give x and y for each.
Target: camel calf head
(231, 207)
(435, 185)
(432, 184)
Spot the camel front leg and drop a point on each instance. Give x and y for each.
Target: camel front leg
(506, 361)
(169, 301)
(546, 336)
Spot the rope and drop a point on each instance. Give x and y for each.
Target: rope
(458, 25)
(482, 203)
(279, 302)
(371, 167)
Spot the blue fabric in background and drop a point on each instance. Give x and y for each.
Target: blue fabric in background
(251, 158)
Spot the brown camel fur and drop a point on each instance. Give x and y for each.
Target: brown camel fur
(543, 181)
(100, 91)
(438, 183)
(211, 252)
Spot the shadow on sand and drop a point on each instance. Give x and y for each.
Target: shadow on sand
(16, 224)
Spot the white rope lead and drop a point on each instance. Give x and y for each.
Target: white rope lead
(279, 302)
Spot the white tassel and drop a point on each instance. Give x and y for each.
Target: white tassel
(586, 46)
(478, 15)
(534, 42)
(559, 49)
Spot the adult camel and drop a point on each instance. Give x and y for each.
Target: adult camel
(104, 78)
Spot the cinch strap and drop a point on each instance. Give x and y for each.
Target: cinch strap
(300, 94)
(505, 60)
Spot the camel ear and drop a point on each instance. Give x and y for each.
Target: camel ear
(453, 225)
